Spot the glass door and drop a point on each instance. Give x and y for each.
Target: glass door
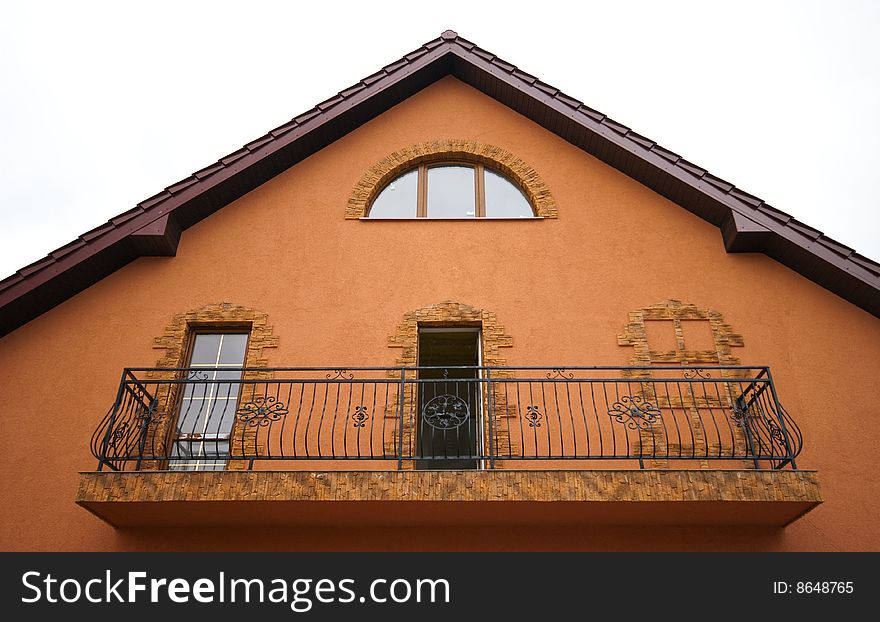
(448, 428)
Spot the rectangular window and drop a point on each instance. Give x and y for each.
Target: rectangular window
(208, 402)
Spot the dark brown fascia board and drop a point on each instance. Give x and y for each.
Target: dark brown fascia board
(153, 228)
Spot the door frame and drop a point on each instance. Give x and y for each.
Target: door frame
(481, 376)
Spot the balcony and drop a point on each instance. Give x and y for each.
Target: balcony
(667, 444)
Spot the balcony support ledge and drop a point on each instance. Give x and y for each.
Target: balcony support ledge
(621, 497)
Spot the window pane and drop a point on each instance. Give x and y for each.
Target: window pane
(192, 415)
(231, 373)
(225, 390)
(205, 350)
(221, 417)
(503, 199)
(200, 398)
(451, 192)
(218, 349)
(197, 390)
(398, 199)
(200, 417)
(202, 385)
(232, 349)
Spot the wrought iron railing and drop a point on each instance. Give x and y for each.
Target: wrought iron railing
(454, 417)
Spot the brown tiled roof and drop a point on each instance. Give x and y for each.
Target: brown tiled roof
(153, 227)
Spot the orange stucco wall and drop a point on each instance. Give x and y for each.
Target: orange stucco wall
(335, 289)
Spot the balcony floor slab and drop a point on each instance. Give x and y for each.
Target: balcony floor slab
(636, 497)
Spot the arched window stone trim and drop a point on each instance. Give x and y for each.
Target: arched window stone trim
(496, 158)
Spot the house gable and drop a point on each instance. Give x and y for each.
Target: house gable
(548, 291)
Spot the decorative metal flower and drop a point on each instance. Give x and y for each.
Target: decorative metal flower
(360, 416)
(635, 412)
(776, 433)
(445, 412)
(740, 415)
(261, 411)
(533, 416)
(118, 434)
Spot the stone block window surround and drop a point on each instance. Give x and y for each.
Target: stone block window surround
(451, 179)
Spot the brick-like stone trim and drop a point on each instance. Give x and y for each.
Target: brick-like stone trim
(495, 158)
(635, 334)
(450, 313)
(120, 497)
(175, 341)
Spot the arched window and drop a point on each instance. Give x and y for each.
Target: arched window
(451, 190)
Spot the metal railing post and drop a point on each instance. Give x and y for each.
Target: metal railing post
(789, 446)
(400, 408)
(491, 418)
(742, 407)
(102, 459)
(143, 433)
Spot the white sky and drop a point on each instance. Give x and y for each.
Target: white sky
(104, 104)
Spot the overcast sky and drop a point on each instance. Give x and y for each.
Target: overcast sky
(104, 104)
